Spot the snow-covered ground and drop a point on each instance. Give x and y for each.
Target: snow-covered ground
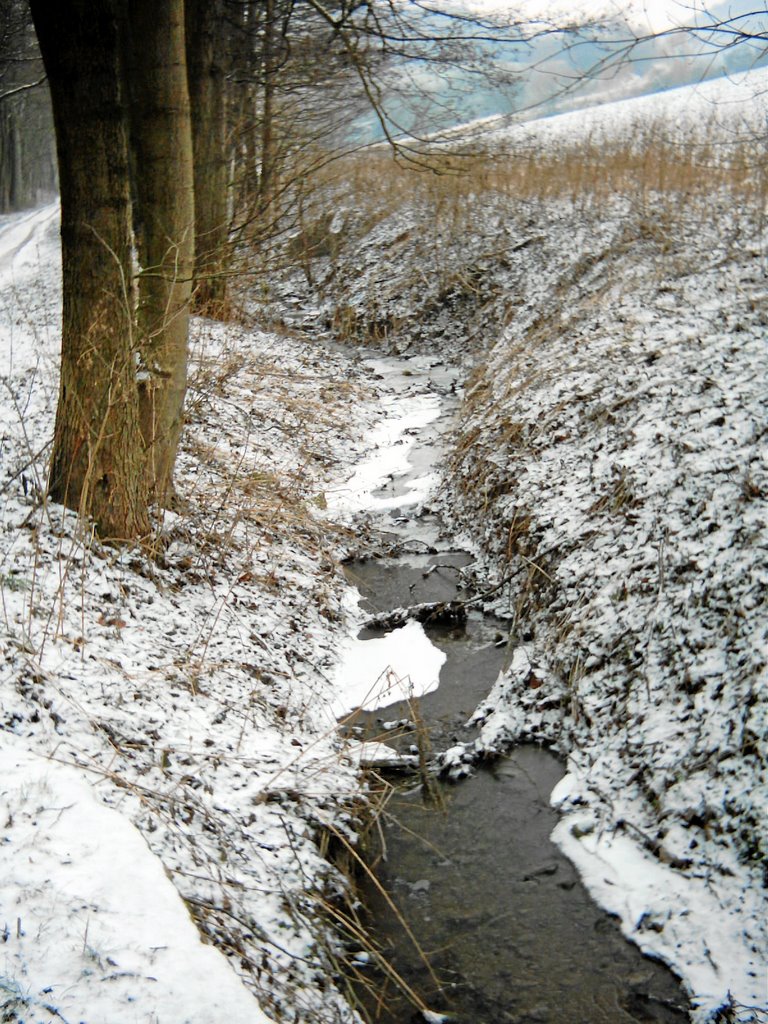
(611, 470)
(613, 466)
(169, 752)
(728, 110)
(614, 461)
(167, 744)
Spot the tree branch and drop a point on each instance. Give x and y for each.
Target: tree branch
(22, 88)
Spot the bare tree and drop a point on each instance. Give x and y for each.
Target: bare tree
(146, 89)
(163, 187)
(207, 64)
(27, 146)
(123, 367)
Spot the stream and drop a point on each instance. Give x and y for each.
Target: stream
(510, 934)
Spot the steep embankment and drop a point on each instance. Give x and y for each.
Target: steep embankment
(169, 761)
(607, 273)
(612, 465)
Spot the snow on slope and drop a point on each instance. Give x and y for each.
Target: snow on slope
(167, 717)
(612, 469)
(725, 111)
(614, 447)
(89, 910)
(613, 466)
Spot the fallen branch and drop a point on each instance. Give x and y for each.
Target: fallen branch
(432, 613)
(22, 88)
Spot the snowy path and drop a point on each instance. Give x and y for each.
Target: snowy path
(18, 232)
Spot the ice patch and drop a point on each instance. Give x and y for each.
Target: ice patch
(377, 672)
(390, 443)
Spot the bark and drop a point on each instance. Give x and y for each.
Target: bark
(98, 458)
(162, 155)
(205, 69)
(268, 155)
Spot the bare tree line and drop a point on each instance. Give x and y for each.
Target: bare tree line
(184, 127)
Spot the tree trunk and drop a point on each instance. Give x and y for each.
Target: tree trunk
(98, 454)
(241, 96)
(268, 159)
(162, 151)
(205, 68)
(8, 143)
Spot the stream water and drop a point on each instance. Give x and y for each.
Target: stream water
(510, 934)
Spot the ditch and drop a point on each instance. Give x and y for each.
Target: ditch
(502, 929)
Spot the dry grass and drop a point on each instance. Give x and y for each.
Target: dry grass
(393, 250)
(653, 159)
(650, 161)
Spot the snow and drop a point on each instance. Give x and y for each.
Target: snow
(674, 911)
(90, 912)
(403, 664)
(168, 754)
(724, 111)
(168, 767)
(17, 231)
(407, 411)
(610, 473)
(613, 474)
(372, 673)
